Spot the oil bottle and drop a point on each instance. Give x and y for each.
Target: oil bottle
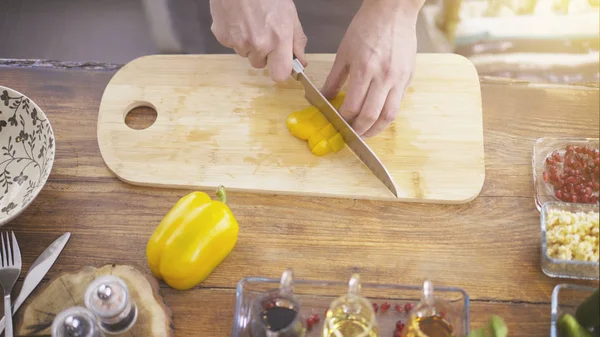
(276, 313)
(351, 315)
(431, 317)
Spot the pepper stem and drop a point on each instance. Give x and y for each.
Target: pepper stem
(221, 194)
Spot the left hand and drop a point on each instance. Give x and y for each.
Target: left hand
(377, 56)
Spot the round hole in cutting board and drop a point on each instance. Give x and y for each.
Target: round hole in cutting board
(141, 117)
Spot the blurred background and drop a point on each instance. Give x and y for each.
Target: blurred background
(552, 41)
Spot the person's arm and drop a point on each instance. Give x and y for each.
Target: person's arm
(377, 57)
(267, 32)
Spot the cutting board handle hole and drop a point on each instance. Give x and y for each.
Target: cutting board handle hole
(141, 117)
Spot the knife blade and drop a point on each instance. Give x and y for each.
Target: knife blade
(37, 271)
(351, 138)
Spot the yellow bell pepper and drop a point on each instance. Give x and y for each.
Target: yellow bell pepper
(310, 124)
(195, 236)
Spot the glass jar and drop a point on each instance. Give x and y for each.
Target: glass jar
(76, 322)
(109, 299)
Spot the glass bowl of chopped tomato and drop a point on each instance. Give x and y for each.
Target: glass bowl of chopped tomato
(567, 170)
(569, 240)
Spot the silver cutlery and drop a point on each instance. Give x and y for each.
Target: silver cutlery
(9, 273)
(37, 271)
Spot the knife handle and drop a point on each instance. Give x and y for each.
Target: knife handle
(297, 67)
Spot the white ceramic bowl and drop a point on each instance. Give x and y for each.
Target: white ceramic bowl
(26, 152)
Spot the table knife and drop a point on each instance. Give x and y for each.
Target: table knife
(37, 271)
(351, 138)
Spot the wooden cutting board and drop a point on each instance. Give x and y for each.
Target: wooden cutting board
(219, 121)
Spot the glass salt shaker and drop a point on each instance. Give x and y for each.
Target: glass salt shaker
(276, 313)
(76, 322)
(351, 315)
(109, 299)
(432, 316)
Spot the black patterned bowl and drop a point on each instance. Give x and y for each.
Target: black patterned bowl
(26, 152)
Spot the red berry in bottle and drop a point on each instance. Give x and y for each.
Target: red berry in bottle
(574, 198)
(595, 186)
(399, 308)
(385, 307)
(408, 307)
(375, 307)
(545, 176)
(399, 325)
(593, 199)
(315, 318)
(585, 198)
(571, 180)
(570, 148)
(550, 161)
(309, 324)
(577, 149)
(558, 194)
(398, 333)
(556, 156)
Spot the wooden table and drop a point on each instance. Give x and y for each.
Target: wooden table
(490, 247)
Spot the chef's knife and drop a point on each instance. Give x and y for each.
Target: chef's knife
(351, 138)
(37, 271)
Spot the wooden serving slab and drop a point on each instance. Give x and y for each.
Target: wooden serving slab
(67, 290)
(221, 122)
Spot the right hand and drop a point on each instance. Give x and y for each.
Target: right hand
(267, 32)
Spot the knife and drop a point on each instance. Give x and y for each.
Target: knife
(37, 271)
(351, 138)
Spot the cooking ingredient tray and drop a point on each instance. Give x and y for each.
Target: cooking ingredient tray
(316, 296)
(565, 300)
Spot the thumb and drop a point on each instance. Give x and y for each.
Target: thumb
(336, 78)
(300, 41)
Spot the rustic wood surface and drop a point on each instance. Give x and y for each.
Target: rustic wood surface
(489, 247)
(154, 318)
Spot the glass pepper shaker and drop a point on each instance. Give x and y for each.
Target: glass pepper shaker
(109, 299)
(276, 313)
(76, 322)
(432, 316)
(351, 315)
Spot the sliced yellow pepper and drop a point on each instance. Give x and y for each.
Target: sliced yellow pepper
(195, 236)
(310, 124)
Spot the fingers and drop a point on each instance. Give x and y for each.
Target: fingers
(371, 108)
(389, 111)
(336, 78)
(358, 87)
(280, 60)
(300, 41)
(257, 60)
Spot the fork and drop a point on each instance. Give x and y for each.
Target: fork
(9, 273)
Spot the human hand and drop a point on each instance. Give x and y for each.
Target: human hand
(267, 32)
(377, 56)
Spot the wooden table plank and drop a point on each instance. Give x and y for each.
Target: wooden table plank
(489, 247)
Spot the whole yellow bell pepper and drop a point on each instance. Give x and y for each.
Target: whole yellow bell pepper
(195, 236)
(310, 124)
